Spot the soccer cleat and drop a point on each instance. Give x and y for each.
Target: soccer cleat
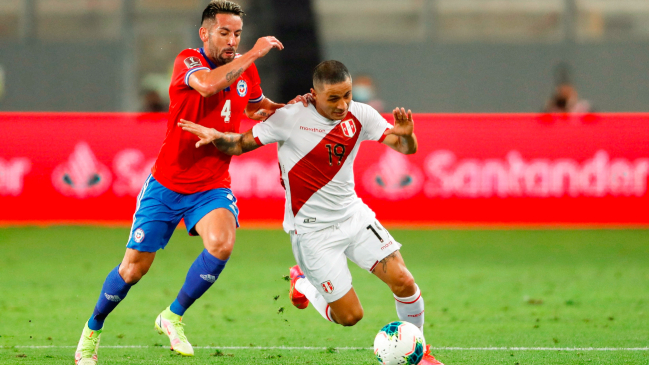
(428, 359)
(298, 299)
(170, 324)
(86, 353)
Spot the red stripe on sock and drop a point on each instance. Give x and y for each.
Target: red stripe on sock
(395, 298)
(327, 313)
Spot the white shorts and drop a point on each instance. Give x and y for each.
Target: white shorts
(322, 255)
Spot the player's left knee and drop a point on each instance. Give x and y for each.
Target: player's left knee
(219, 245)
(404, 285)
(351, 318)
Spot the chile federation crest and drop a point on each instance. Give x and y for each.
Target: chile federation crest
(242, 88)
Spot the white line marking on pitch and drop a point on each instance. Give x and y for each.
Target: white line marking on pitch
(364, 348)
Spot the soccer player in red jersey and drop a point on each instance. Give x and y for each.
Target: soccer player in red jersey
(214, 86)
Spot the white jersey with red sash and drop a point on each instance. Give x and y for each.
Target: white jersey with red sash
(316, 157)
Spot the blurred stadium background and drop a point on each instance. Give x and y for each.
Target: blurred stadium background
(524, 228)
(437, 56)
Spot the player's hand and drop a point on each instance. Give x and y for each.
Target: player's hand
(304, 99)
(206, 135)
(265, 44)
(403, 123)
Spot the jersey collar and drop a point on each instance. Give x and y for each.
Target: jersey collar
(209, 62)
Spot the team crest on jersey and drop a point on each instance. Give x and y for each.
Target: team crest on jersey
(242, 88)
(349, 128)
(138, 236)
(192, 62)
(328, 287)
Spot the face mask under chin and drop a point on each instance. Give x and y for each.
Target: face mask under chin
(362, 94)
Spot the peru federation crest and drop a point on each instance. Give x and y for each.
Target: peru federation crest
(349, 128)
(328, 287)
(242, 88)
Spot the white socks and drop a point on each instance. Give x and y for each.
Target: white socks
(317, 300)
(411, 309)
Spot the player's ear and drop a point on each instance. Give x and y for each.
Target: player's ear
(204, 34)
(313, 92)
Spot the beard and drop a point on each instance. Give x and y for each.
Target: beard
(220, 57)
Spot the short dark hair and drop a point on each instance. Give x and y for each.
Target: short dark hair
(221, 7)
(330, 72)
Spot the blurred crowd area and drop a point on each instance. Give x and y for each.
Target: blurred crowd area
(430, 55)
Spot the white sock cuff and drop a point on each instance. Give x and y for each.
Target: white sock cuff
(302, 285)
(411, 299)
(328, 314)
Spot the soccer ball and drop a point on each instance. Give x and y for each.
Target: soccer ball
(399, 343)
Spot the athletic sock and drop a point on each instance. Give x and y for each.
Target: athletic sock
(112, 293)
(411, 309)
(319, 303)
(202, 274)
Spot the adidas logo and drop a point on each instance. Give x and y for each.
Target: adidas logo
(209, 278)
(112, 298)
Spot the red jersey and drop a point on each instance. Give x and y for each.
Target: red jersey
(181, 166)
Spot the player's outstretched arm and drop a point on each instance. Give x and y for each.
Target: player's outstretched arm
(210, 82)
(266, 108)
(228, 143)
(401, 137)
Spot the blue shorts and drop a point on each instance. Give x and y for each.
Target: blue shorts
(159, 210)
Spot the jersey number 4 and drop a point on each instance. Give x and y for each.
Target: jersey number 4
(225, 113)
(337, 150)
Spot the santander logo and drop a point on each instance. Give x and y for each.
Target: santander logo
(82, 176)
(514, 176)
(445, 176)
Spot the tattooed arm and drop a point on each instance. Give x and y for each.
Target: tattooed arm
(210, 82)
(228, 143)
(262, 110)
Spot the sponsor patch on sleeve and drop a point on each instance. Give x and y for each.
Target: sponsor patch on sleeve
(192, 62)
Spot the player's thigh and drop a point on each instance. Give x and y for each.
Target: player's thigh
(375, 250)
(218, 231)
(154, 220)
(321, 256)
(200, 205)
(371, 243)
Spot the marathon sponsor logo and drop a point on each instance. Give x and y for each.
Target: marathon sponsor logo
(416, 315)
(309, 220)
(192, 62)
(316, 130)
(386, 245)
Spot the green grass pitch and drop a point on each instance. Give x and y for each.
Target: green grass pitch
(483, 289)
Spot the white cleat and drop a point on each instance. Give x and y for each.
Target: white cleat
(170, 324)
(86, 353)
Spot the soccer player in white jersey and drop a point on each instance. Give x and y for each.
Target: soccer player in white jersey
(328, 223)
